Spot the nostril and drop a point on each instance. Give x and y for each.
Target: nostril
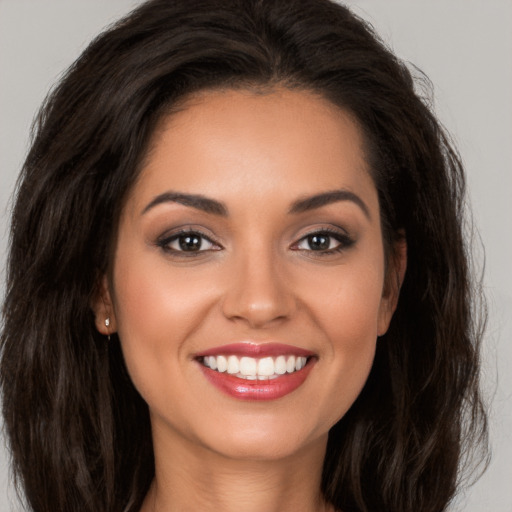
(258, 313)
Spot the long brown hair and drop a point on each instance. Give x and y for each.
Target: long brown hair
(79, 432)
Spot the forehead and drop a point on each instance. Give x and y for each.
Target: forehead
(218, 142)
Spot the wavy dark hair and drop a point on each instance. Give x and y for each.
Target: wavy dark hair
(78, 431)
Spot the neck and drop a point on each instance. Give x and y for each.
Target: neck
(191, 477)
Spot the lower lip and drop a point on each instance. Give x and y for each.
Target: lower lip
(271, 389)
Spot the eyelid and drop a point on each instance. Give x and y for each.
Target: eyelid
(164, 240)
(341, 235)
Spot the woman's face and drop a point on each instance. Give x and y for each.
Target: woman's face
(249, 247)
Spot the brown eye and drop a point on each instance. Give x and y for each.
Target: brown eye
(319, 242)
(191, 242)
(324, 242)
(187, 242)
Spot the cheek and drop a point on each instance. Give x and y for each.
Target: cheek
(352, 329)
(156, 311)
(347, 303)
(348, 316)
(152, 296)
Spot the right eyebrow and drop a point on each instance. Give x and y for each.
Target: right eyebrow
(329, 197)
(196, 201)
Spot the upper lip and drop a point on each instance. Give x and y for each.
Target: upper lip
(257, 350)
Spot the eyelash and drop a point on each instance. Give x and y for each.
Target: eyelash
(344, 242)
(165, 242)
(343, 239)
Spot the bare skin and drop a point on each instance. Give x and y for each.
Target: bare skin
(229, 485)
(287, 249)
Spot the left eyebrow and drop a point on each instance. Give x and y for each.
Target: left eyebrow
(326, 198)
(196, 201)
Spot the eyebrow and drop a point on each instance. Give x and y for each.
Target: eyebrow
(326, 198)
(214, 207)
(196, 201)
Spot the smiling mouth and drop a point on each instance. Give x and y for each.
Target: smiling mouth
(253, 368)
(252, 371)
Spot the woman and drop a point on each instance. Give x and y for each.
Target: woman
(240, 232)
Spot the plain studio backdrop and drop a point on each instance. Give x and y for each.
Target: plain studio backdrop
(465, 48)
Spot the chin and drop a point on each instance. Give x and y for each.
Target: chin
(263, 448)
(262, 437)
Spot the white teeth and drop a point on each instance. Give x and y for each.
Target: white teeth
(248, 366)
(280, 365)
(233, 365)
(251, 368)
(299, 363)
(222, 364)
(265, 367)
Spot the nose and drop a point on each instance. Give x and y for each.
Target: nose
(259, 293)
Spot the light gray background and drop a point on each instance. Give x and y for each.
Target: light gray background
(464, 46)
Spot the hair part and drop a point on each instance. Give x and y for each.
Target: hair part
(79, 432)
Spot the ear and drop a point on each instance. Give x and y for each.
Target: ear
(103, 308)
(393, 282)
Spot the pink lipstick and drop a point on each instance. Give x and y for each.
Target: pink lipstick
(250, 371)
